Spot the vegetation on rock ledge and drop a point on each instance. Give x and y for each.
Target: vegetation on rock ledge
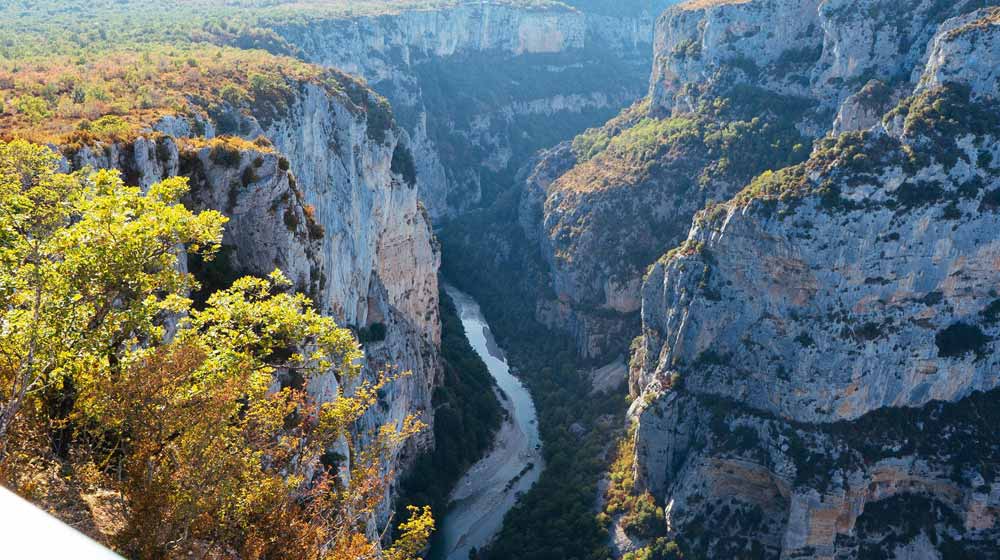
(186, 432)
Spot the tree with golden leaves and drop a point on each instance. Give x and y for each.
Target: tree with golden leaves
(199, 419)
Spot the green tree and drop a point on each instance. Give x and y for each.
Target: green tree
(199, 419)
(661, 549)
(36, 109)
(88, 264)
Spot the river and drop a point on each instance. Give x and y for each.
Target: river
(491, 487)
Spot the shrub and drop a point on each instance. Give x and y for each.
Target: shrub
(992, 312)
(661, 549)
(960, 339)
(990, 201)
(316, 230)
(291, 219)
(249, 176)
(402, 164)
(373, 333)
(646, 519)
(110, 125)
(35, 109)
(225, 154)
(270, 89)
(380, 117)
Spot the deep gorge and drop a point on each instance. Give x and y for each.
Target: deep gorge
(740, 253)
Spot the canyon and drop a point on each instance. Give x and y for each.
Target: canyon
(770, 222)
(828, 306)
(339, 188)
(481, 86)
(490, 488)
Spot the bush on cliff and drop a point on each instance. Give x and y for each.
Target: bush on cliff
(188, 432)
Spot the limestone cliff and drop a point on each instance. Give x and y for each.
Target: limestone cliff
(821, 50)
(738, 87)
(481, 86)
(316, 184)
(817, 361)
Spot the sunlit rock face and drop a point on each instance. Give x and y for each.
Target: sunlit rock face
(820, 67)
(826, 51)
(817, 371)
(317, 191)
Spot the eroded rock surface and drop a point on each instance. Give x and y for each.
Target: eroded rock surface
(316, 189)
(817, 371)
(738, 87)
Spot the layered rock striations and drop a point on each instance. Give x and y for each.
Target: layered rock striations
(817, 365)
(481, 86)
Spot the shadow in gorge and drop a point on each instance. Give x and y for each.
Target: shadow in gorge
(486, 254)
(467, 416)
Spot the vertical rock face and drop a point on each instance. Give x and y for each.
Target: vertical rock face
(378, 259)
(757, 80)
(704, 47)
(369, 213)
(817, 362)
(480, 86)
(324, 194)
(825, 51)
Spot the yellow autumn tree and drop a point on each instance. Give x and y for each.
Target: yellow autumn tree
(199, 419)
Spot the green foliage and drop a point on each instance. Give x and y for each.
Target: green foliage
(225, 153)
(934, 121)
(645, 137)
(291, 218)
(888, 524)
(730, 138)
(34, 109)
(115, 94)
(688, 49)
(271, 96)
(44, 27)
(939, 117)
(632, 148)
(372, 333)
(187, 431)
(88, 264)
(468, 86)
(794, 59)
(108, 126)
(234, 95)
(403, 164)
(555, 519)
(593, 141)
(213, 273)
(960, 339)
(646, 519)
(661, 549)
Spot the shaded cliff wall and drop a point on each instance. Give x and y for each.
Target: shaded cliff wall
(481, 87)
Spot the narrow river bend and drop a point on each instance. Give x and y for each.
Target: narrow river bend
(490, 488)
